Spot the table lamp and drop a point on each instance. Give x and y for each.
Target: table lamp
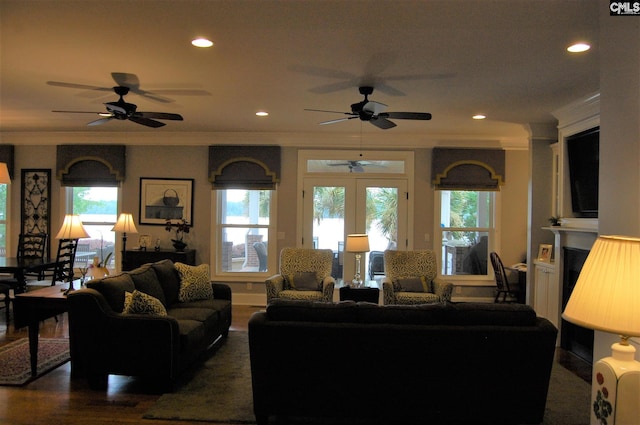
(357, 243)
(4, 174)
(125, 225)
(606, 297)
(72, 229)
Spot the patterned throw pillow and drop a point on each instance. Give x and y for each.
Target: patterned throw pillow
(137, 302)
(194, 282)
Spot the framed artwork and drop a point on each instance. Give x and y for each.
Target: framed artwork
(162, 199)
(35, 196)
(544, 252)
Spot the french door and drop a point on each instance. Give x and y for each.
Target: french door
(334, 207)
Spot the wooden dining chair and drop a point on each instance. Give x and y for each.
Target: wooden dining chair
(63, 270)
(509, 292)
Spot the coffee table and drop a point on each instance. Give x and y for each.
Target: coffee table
(31, 307)
(358, 294)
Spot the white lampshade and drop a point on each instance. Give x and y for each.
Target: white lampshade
(125, 224)
(607, 294)
(357, 243)
(72, 228)
(4, 174)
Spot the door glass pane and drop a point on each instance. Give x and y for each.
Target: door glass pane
(244, 218)
(354, 166)
(382, 227)
(328, 223)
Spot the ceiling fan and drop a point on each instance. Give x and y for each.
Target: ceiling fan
(122, 110)
(374, 112)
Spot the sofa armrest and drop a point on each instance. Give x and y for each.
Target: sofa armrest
(328, 285)
(103, 341)
(442, 288)
(388, 295)
(275, 285)
(221, 291)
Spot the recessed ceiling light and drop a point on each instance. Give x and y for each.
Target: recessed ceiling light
(578, 48)
(202, 42)
(479, 117)
(262, 113)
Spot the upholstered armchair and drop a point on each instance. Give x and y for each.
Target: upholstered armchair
(305, 274)
(412, 278)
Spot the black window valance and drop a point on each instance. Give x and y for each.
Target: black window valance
(6, 156)
(467, 169)
(244, 167)
(90, 165)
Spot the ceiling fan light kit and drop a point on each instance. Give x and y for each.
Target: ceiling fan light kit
(373, 112)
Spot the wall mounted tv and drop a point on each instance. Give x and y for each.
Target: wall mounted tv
(583, 152)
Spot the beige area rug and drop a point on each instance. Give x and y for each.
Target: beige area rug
(219, 391)
(15, 363)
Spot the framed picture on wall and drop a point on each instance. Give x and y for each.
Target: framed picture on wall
(35, 199)
(544, 252)
(165, 199)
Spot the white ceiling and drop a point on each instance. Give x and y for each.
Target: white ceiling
(452, 58)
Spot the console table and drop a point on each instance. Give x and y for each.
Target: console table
(136, 258)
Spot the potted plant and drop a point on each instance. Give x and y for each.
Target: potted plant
(181, 227)
(554, 221)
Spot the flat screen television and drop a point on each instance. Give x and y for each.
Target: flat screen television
(583, 152)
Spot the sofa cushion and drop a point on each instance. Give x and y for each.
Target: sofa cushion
(424, 314)
(312, 311)
(304, 281)
(113, 289)
(145, 280)
(138, 302)
(195, 282)
(169, 280)
(492, 314)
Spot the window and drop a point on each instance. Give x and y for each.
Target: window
(3, 220)
(98, 210)
(243, 231)
(467, 229)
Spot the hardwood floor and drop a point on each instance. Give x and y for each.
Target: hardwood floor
(56, 399)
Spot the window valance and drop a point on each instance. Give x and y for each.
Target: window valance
(244, 167)
(467, 169)
(90, 165)
(6, 156)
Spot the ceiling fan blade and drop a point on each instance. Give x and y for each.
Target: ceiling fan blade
(408, 115)
(147, 121)
(159, 115)
(100, 121)
(357, 169)
(331, 112)
(125, 79)
(382, 123)
(336, 121)
(374, 107)
(78, 86)
(79, 112)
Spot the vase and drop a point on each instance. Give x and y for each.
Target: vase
(179, 245)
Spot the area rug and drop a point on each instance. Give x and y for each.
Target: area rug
(219, 391)
(15, 363)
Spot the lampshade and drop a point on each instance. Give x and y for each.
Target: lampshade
(4, 174)
(357, 243)
(125, 224)
(72, 228)
(606, 296)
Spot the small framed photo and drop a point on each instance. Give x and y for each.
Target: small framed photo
(144, 242)
(544, 252)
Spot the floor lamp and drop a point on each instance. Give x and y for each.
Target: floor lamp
(72, 228)
(125, 225)
(607, 298)
(358, 244)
